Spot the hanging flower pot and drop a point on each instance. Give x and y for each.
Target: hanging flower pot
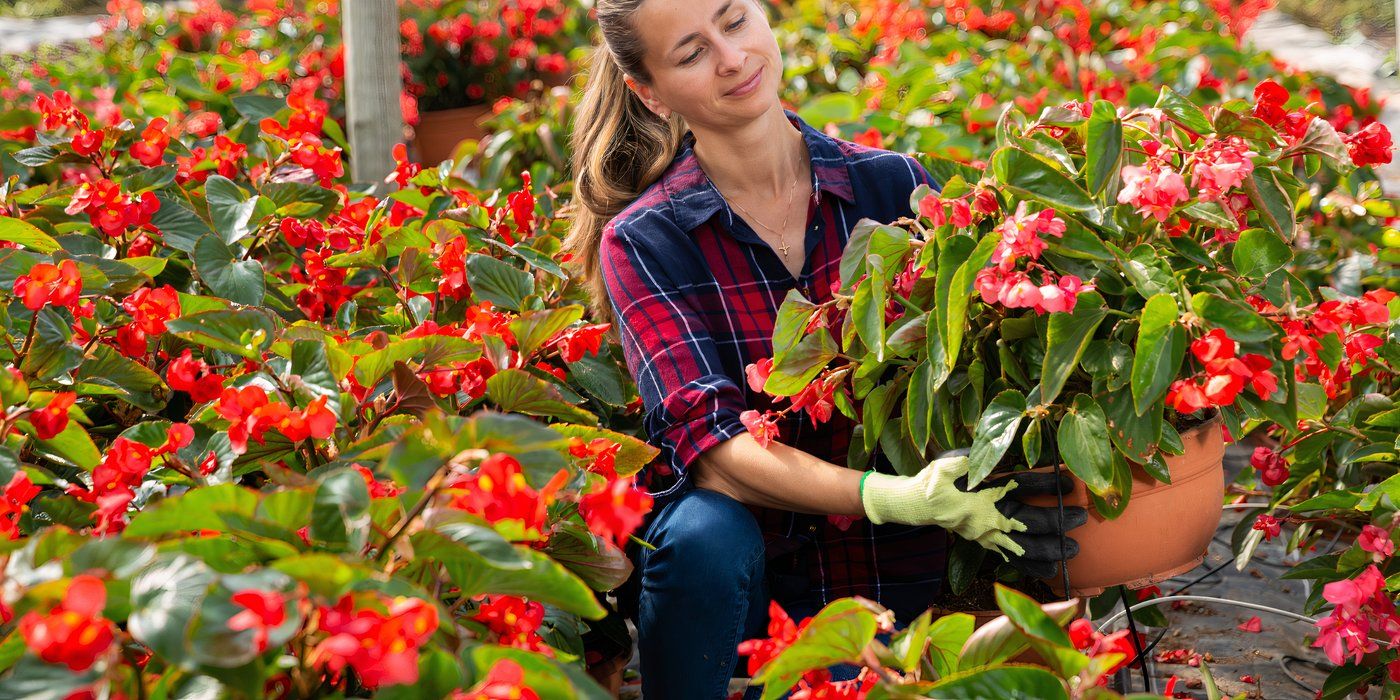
(1165, 529)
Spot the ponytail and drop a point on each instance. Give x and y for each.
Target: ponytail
(619, 146)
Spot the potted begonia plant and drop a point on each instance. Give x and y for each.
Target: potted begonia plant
(1109, 295)
(461, 57)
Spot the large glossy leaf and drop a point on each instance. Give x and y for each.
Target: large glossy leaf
(999, 639)
(1271, 201)
(1104, 149)
(1065, 340)
(516, 391)
(1161, 346)
(946, 637)
(51, 353)
(312, 366)
(1034, 177)
(801, 364)
(481, 561)
(1183, 111)
(994, 433)
(1084, 444)
(1242, 323)
(234, 213)
(959, 296)
(22, 232)
(868, 307)
(836, 634)
(180, 228)
(165, 600)
(243, 332)
(532, 329)
(1028, 617)
(435, 350)
(498, 282)
(239, 281)
(1259, 252)
(108, 372)
(340, 513)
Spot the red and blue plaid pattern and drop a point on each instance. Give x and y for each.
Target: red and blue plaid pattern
(696, 294)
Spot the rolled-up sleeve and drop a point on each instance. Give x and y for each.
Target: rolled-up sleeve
(691, 404)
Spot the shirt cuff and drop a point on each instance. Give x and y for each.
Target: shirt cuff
(690, 420)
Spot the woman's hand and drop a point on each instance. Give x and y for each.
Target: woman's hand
(932, 498)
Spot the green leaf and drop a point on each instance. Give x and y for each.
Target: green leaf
(148, 179)
(550, 679)
(165, 600)
(1135, 436)
(946, 637)
(918, 404)
(479, 561)
(994, 433)
(340, 513)
(516, 391)
(312, 365)
(1259, 252)
(1028, 617)
(235, 215)
(436, 351)
(19, 231)
(239, 281)
(1344, 679)
(1161, 346)
(1084, 444)
(1270, 200)
(196, 509)
(1001, 682)
(243, 332)
(72, 445)
(533, 328)
(106, 371)
(1031, 176)
(999, 639)
(51, 353)
(836, 107)
(179, 226)
(1065, 340)
(1183, 111)
(1103, 150)
(836, 634)
(800, 365)
(868, 307)
(498, 282)
(1242, 323)
(959, 296)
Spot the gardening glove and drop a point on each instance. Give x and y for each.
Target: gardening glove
(931, 498)
(1040, 539)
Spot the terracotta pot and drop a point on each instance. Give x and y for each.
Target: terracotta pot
(439, 132)
(1165, 529)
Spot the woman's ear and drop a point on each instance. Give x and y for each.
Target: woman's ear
(647, 97)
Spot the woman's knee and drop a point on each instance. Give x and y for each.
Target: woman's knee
(708, 535)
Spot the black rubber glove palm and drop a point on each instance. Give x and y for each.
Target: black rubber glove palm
(1042, 537)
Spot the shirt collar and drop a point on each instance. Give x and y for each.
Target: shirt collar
(695, 198)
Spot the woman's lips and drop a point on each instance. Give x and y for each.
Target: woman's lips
(748, 85)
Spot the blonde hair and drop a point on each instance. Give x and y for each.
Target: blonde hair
(619, 146)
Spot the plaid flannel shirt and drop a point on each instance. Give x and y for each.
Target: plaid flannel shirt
(696, 294)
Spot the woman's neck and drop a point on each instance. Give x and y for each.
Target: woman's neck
(761, 159)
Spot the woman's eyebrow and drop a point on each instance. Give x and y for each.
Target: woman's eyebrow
(696, 35)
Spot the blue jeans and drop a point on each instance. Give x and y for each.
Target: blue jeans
(698, 594)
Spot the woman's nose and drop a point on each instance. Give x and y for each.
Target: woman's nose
(731, 57)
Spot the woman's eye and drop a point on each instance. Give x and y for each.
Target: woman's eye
(737, 23)
(691, 58)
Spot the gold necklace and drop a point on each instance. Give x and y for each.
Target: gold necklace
(782, 232)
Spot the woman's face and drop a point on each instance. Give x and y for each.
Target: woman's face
(713, 62)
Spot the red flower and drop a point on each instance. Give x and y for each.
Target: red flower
(1253, 625)
(150, 308)
(757, 374)
(51, 420)
(574, 343)
(1273, 468)
(601, 451)
(505, 681)
(110, 210)
(74, 633)
(782, 632)
(1268, 524)
(514, 621)
(1370, 146)
(1090, 641)
(614, 511)
(262, 611)
(192, 376)
(498, 492)
(1377, 541)
(88, 141)
(131, 341)
(150, 150)
(382, 648)
(58, 284)
(14, 501)
(762, 426)
(1269, 98)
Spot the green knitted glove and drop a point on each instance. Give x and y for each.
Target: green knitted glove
(931, 498)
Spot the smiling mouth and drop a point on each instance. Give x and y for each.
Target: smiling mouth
(753, 79)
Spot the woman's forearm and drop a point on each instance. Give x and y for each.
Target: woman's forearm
(778, 476)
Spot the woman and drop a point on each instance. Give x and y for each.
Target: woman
(702, 204)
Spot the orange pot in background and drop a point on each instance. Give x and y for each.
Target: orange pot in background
(1165, 529)
(439, 132)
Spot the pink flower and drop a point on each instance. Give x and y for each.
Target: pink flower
(1253, 625)
(1154, 190)
(1023, 293)
(1340, 637)
(1376, 541)
(1350, 594)
(1269, 525)
(931, 208)
(762, 426)
(1222, 165)
(757, 373)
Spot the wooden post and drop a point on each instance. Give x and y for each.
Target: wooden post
(372, 85)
